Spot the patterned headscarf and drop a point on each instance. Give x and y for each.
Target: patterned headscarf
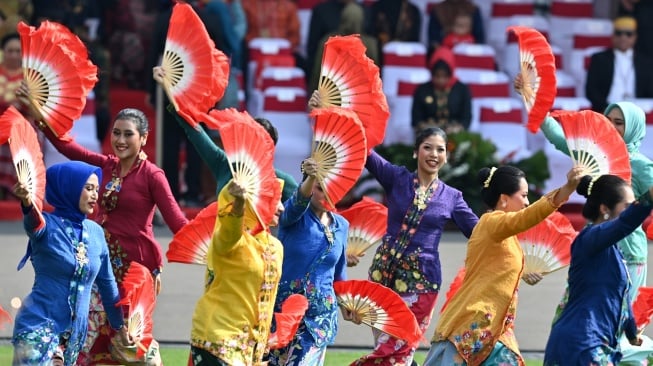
(635, 120)
(64, 184)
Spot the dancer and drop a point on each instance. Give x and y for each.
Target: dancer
(408, 261)
(314, 241)
(68, 253)
(476, 327)
(598, 311)
(231, 322)
(130, 190)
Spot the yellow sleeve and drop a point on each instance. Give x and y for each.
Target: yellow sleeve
(228, 230)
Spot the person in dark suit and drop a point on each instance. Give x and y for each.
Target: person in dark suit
(444, 101)
(619, 73)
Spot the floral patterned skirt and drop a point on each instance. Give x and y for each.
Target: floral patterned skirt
(40, 345)
(445, 353)
(302, 351)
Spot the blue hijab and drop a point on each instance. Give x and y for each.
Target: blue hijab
(635, 121)
(63, 188)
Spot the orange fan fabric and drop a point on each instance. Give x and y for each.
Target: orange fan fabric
(140, 297)
(454, 287)
(643, 307)
(594, 143)
(339, 149)
(5, 318)
(349, 79)
(58, 73)
(196, 72)
(191, 243)
(250, 151)
(368, 222)
(287, 321)
(25, 153)
(378, 307)
(538, 72)
(547, 245)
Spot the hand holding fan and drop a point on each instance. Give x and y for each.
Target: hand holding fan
(349, 79)
(191, 243)
(25, 153)
(379, 307)
(250, 150)
(537, 71)
(288, 321)
(57, 72)
(547, 245)
(196, 73)
(643, 307)
(339, 149)
(139, 296)
(594, 143)
(368, 222)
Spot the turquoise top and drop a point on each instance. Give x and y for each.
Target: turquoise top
(217, 161)
(634, 246)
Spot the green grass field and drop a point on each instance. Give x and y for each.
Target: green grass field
(175, 356)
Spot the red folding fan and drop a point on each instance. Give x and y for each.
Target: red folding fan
(250, 150)
(191, 243)
(454, 287)
(57, 72)
(594, 143)
(350, 79)
(5, 318)
(25, 153)
(339, 149)
(139, 296)
(288, 321)
(538, 73)
(196, 73)
(643, 307)
(368, 222)
(547, 245)
(379, 307)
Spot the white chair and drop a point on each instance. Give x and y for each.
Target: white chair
(259, 48)
(563, 16)
(588, 33)
(500, 13)
(580, 61)
(84, 132)
(400, 58)
(501, 121)
(286, 109)
(399, 129)
(475, 56)
(566, 84)
(274, 76)
(509, 58)
(485, 83)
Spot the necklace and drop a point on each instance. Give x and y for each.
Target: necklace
(79, 245)
(423, 194)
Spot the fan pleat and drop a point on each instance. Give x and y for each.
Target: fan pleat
(139, 296)
(368, 222)
(5, 318)
(547, 245)
(594, 143)
(378, 307)
(537, 68)
(196, 72)
(57, 73)
(349, 79)
(191, 243)
(643, 307)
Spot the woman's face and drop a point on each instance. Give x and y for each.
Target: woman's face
(431, 155)
(440, 78)
(616, 116)
(88, 198)
(125, 139)
(11, 54)
(629, 197)
(515, 201)
(277, 214)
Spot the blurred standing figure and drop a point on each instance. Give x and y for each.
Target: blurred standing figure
(442, 20)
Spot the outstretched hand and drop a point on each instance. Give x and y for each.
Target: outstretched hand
(309, 167)
(315, 101)
(351, 316)
(532, 278)
(354, 259)
(518, 83)
(158, 73)
(20, 190)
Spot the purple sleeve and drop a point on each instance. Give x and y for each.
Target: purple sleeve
(463, 216)
(381, 169)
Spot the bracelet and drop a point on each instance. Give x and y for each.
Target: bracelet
(157, 271)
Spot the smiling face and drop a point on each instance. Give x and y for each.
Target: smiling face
(616, 116)
(89, 196)
(515, 201)
(125, 139)
(431, 155)
(277, 214)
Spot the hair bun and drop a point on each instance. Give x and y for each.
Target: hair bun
(584, 185)
(482, 176)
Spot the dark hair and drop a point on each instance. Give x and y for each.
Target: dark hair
(606, 190)
(8, 37)
(428, 132)
(269, 128)
(505, 180)
(441, 65)
(136, 116)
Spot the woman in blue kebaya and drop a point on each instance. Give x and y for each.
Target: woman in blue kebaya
(68, 253)
(314, 241)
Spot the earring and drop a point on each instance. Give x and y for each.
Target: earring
(503, 204)
(414, 156)
(606, 216)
